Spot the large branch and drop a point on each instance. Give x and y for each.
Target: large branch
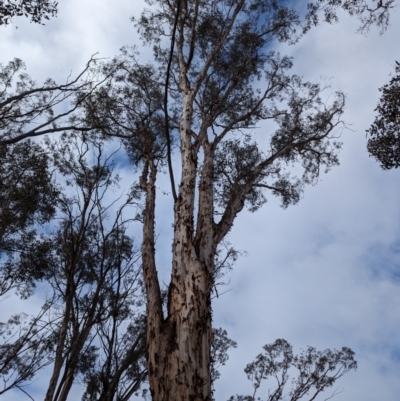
(34, 133)
(63, 88)
(204, 243)
(237, 199)
(167, 133)
(154, 301)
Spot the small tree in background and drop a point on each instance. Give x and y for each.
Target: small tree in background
(316, 371)
(91, 325)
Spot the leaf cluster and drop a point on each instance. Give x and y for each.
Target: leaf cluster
(28, 110)
(129, 107)
(27, 197)
(35, 10)
(369, 12)
(384, 133)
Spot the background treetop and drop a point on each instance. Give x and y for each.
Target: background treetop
(384, 133)
(34, 10)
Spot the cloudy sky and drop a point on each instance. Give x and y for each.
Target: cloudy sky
(325, 272)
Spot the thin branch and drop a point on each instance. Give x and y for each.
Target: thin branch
(167, 133)
(32, 134)
(19, 388)
(336, 392)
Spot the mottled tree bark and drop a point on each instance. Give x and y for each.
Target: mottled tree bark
(179, 344)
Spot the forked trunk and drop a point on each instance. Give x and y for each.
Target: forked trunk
(179, 344)
(181, 348)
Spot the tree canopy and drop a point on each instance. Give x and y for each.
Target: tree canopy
(35, 10)
(384, 134)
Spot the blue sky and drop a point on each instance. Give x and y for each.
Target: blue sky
(325, 272)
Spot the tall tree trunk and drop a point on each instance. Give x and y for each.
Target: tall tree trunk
(179, 351)
(59, 356)
(179, 345)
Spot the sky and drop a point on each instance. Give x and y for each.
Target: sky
(325, 272)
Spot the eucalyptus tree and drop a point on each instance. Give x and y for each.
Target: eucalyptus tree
(94, 276)
(92, 323)
(215, 80)
(317, 371)
(29, 199)
(210, 86)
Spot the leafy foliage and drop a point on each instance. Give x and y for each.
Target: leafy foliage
(129, 107)
(27, 193)
(384, 134)
(27, 197)
(219, 351)
(317, 371)
(370, 12)
(28, 110)
(35, 10)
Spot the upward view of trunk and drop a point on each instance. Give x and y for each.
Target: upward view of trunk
(179, 344)
(180, 351)
(220, 58)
